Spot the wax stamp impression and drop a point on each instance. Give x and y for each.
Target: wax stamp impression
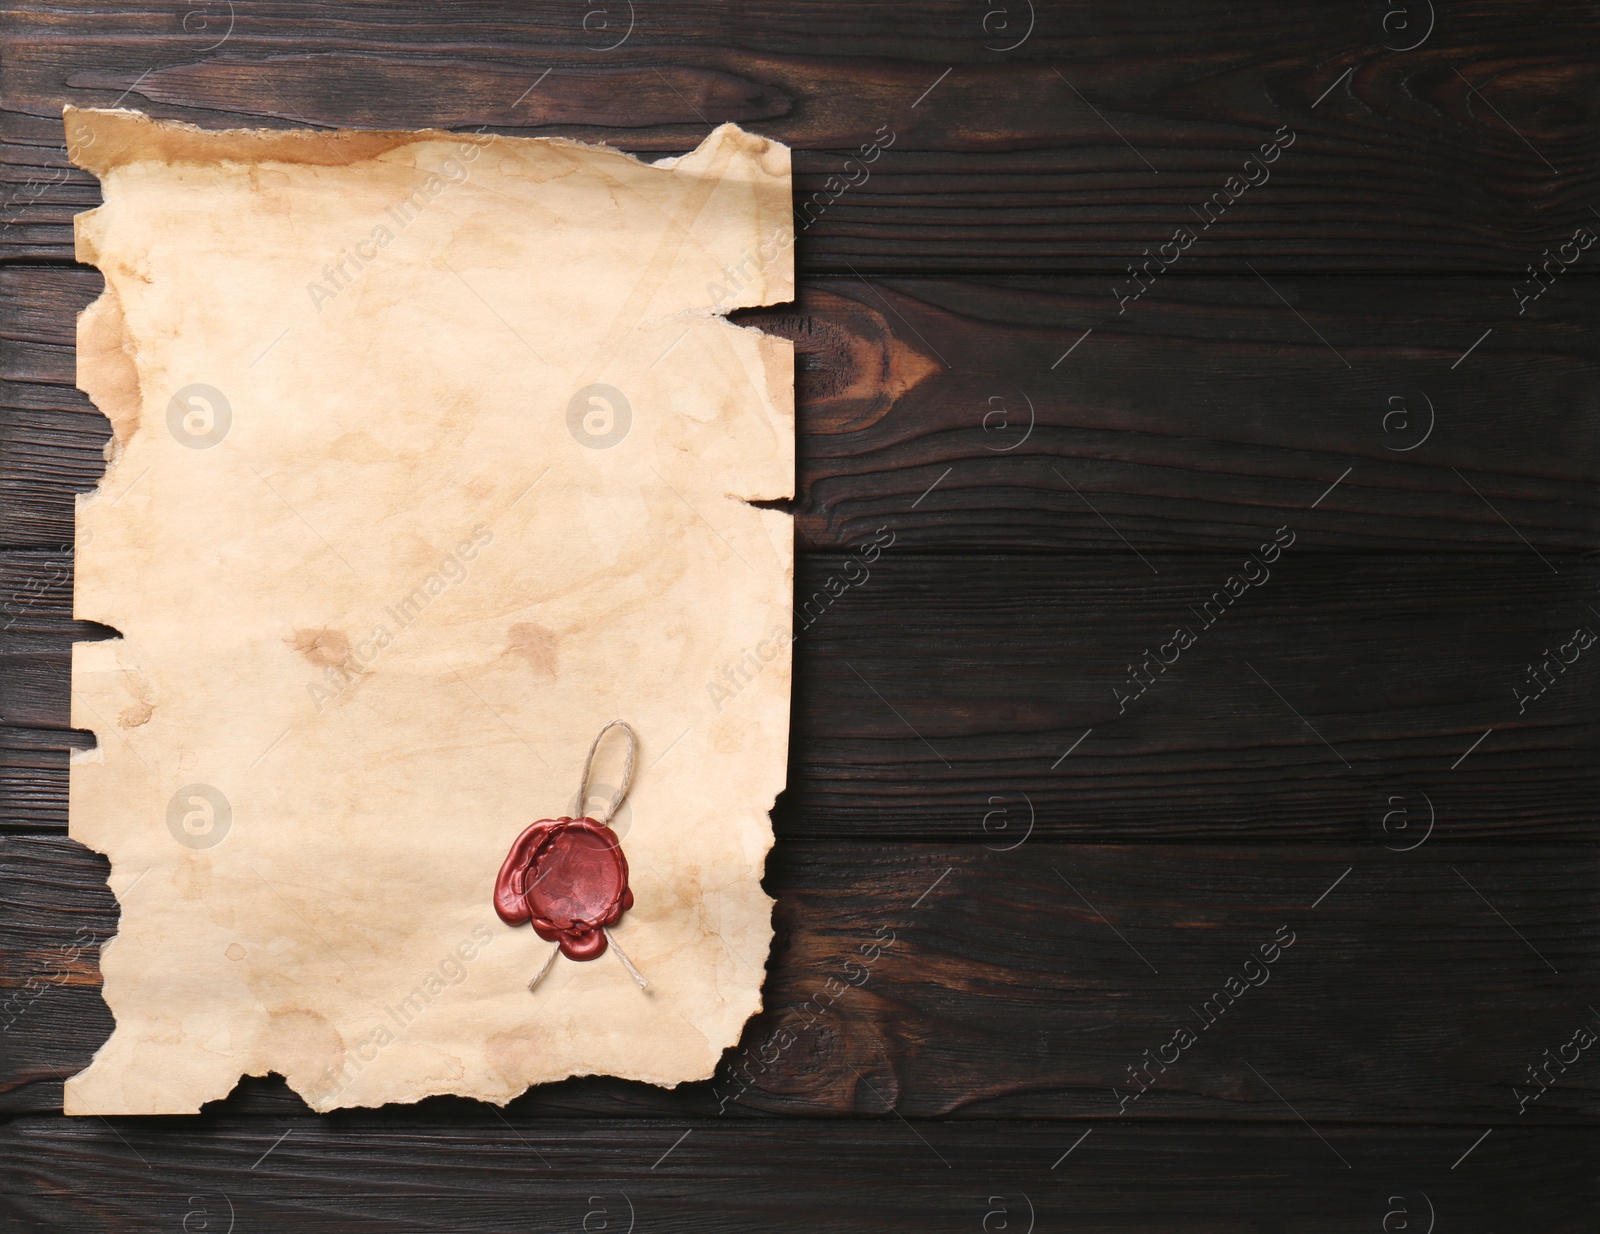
(569, 878)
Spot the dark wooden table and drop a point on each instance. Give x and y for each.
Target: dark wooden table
(1296, 932)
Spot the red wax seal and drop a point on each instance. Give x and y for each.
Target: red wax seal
(569, 878)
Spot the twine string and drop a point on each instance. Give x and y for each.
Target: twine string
(626, 963)
(548, 964)
(627, 772)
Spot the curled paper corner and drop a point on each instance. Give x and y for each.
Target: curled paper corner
(418, 473)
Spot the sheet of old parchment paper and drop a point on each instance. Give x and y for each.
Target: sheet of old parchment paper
(432, 455)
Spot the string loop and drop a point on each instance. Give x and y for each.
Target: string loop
(627, 772)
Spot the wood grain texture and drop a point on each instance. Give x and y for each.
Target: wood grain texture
(1086, 143)
(1205, 416)
(365, 1174)
(1047, 981)
(933, 691)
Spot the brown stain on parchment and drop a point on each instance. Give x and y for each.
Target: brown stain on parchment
(535, 645)
(144, 705)
(518, 1056)
(192, 877)
(106, 372)
(326, 648)
(97, 141)
(303, 1045)
(134, 716)
(360, 448)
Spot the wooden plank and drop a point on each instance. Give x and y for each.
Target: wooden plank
(1078, 148)
(979, 414)
(1362, 680)
(367, 1173)
(932, 690)
(33, 779)
(1116, 984)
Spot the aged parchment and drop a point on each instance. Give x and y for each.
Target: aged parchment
(432, 455)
